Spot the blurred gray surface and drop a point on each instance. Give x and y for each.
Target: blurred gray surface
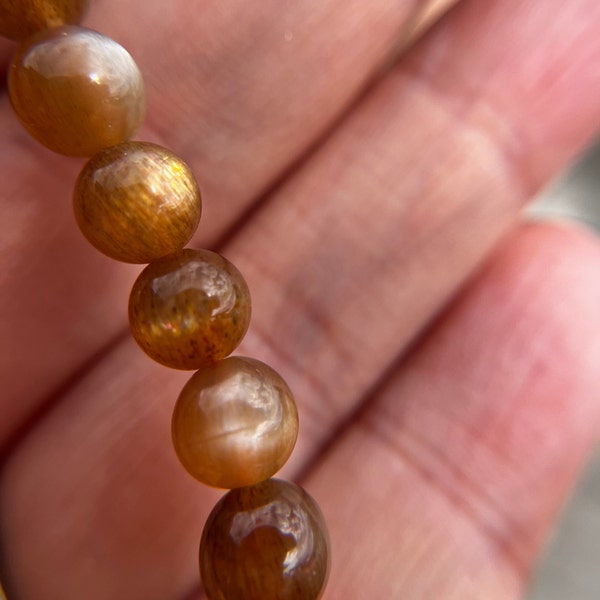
(575, 196)
(571, 568)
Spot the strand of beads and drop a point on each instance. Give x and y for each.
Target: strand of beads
(235, 423)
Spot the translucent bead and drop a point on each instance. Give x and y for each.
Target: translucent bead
(189, 309)
(21, 18)
(235, 423)
(136, 202)
(76, 91)
(265, 542)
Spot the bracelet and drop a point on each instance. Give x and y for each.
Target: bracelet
(235, 423)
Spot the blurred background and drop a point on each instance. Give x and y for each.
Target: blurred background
(571, 568)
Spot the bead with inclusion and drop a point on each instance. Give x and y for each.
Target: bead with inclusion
(189, 309)
(76, 91)
(265, 542)
(137, 202)
(235, 423)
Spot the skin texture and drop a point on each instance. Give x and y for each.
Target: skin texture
(443, 354)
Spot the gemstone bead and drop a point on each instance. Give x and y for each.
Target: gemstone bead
(189, 309)
(21, 18)
(136, 202)
(265, 542)
(76, 91)
(235, 423)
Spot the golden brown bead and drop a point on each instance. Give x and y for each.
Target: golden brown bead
(21, 18)
(136, 202)
(235, 423)
(189, 309)
(76, 91)
(265, 542)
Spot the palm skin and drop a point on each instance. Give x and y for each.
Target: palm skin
(443, 354)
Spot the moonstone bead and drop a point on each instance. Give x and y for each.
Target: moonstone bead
(21, 18)
(265, 542)
(235, 423)
(76, 91)
(136, 202)
(189, 309)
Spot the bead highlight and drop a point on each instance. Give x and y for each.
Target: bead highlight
(267, 541)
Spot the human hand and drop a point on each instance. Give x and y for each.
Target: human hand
(443, 354)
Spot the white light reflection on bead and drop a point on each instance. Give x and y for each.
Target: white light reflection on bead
(244, 405)
(211, 282)
(282, 517)
(152, 175)
(109, 63)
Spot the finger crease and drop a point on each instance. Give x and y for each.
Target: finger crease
(397, 442)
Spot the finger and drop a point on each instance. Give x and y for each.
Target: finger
(246, 88)
(90, 318)
(138, 532)
(329, 355)
(446, 484)
(239, 93)
(425, 13)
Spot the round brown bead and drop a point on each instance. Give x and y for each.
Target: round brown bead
(76, 91)
(235, 423)
(267, 541)
(21, 18)
(189, 309)
(136, 202)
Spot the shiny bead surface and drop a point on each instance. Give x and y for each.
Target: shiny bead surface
(189, 309)
(21, 18)
(265, 542)
(235, 423)
(76, 91)
(137, 202)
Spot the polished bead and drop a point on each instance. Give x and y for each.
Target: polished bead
(136, 202)
(265, 542)
(189, 309)
(21, 18)
(76, 91)
(235, 423)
